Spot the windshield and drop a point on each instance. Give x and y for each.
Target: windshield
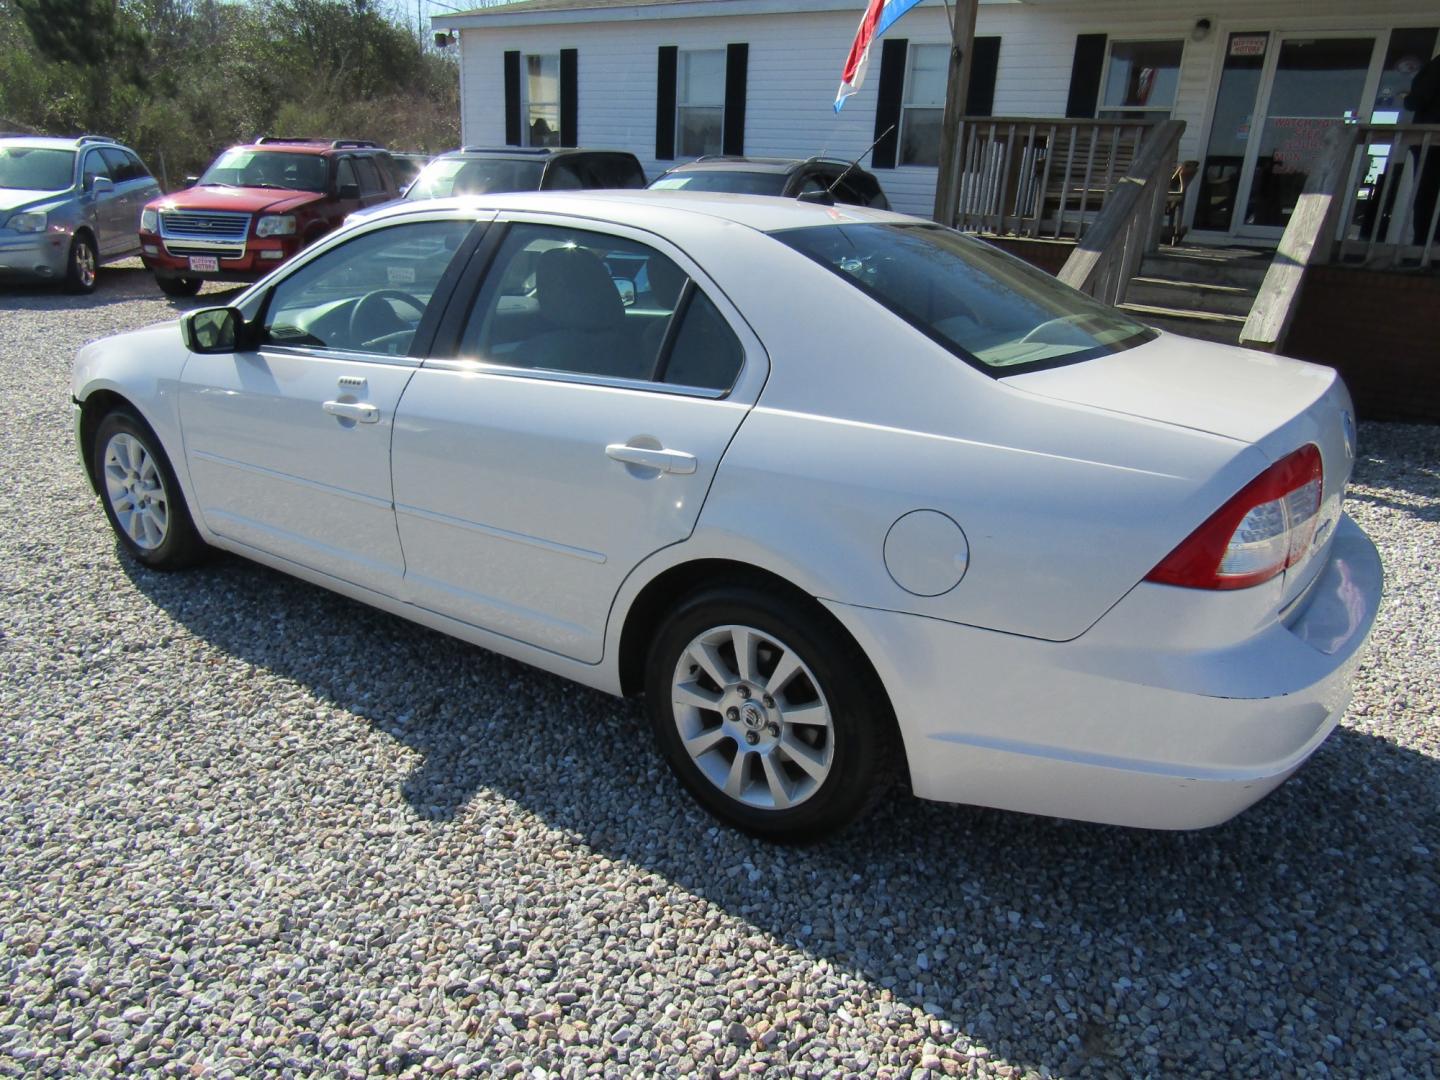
(738, 183)
(29, 168)
(987, 307)
(475, 176)
(267, 169)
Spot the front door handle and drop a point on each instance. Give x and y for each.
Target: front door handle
(670, 461)
(360, 411)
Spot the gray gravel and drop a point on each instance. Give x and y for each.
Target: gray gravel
(249, 828)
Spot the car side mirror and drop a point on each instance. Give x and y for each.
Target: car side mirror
(100, 185)
(211, 330)
(348, 191)
(191, 181)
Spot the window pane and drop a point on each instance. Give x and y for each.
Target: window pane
(707, 353)
(367, 295)
(571, 300)
(543, 126)
(475, 176)
(983, 305)
(920, 136)
(702, 78)
(929, 72)
(699, 130)
(543, 79)
(1143, 74)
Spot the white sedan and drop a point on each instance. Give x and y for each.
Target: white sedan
(845, 494)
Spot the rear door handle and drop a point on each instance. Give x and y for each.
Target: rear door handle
(670, 461)
(360, 411)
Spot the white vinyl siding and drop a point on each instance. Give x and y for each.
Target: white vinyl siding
(795, 59)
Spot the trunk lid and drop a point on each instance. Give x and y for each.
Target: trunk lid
(1271, 402)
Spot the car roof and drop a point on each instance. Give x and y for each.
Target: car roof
(57, 142)
(727, 163)
(311, 146)
(639, 208)
(528, 153)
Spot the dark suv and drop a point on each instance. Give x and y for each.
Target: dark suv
(478, 170)
(257, 205)
(784, 177)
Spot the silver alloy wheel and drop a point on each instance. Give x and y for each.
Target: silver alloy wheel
(85, 263)
(136, 491)
(752, 717)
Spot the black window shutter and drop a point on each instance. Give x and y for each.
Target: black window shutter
(737, 59)
(512, 99)
(984, 65)
(666, 67)
(569, 98)
(887, 106)
(1085, 75)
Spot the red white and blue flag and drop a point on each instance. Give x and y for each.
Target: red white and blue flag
(878, 17)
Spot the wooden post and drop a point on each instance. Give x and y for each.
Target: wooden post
(952, 147)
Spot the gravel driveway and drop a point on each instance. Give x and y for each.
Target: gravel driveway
(250, 828)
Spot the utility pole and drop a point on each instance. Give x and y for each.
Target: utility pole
(952, 146)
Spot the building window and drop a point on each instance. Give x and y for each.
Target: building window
(542, 101)
(923, 108)
(1140, 80)
(700, 103)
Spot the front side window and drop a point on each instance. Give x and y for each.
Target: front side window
(95, 166)
(542, 101)
(991, 309)
(1141, 79)
(700, 102)
(26, 168)
(369, 175)
(367, 295)
(582, 302)
(922, 111)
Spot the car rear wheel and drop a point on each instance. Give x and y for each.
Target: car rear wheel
(141, 495)
(178, 286)
(80, 267)
(768, 713)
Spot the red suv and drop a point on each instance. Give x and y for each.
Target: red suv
(256, 206)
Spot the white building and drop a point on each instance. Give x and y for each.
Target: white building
(1255, 81)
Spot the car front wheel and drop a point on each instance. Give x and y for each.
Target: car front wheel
(141, 495)
(80, 267)
(179, 286)
(768, 713)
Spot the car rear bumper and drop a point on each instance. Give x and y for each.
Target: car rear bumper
(1128, 724)
(34, 256)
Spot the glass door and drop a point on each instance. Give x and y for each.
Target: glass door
(1314, 82)
(1279, 94)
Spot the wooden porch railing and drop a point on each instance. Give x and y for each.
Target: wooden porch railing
(1359, 205)
(1109, 252)
(1039, 178)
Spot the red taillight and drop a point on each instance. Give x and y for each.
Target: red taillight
(1265, 528)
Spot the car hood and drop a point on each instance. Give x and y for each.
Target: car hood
(242, 199)
(1218, 389)
(15, 199)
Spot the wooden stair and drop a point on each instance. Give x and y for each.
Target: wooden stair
(1200, 292)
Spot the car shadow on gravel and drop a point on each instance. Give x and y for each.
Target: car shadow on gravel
(1279, 939)
(122, 283)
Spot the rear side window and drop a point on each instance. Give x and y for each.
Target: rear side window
(991, 309)
(121, 165)
(589, 303)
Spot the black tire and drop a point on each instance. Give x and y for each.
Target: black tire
(82, 265)
(177, 544)
(179, 286)
(860, 733)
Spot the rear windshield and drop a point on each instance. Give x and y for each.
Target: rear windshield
(985, 306)
(738, 183)
(475, 176)
(267, 169)
(31, 168)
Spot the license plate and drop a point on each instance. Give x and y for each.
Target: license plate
(202, 263)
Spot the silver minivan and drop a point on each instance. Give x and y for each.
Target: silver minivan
(68, 205)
